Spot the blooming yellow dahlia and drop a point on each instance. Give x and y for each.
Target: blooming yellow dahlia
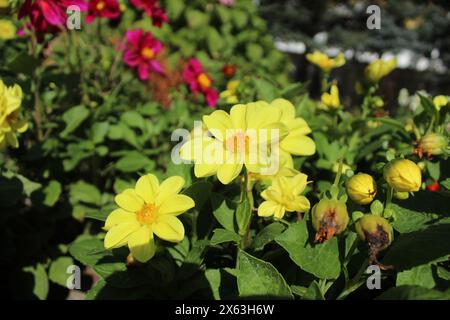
(324, 62)
(150, 208)
(284, 196)
(247, 136)
(10, 121)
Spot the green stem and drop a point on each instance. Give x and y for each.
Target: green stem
(339, 173)
(355, 283)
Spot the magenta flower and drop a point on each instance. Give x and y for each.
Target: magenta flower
(200, 82)
(153, 10)
(140, 53)
(48, 15)
(109, 9)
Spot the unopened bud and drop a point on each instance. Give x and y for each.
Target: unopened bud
(361, 188)
(403, 175)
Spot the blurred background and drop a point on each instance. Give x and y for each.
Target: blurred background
(415, 32)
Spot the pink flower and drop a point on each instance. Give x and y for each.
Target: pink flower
(141, 51)
(103, 8)
(153, 10)
(200, 82)
(228, 3)
(48, 15)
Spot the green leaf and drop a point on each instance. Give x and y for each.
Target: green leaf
(223, 235)
(313, 292)
(267, 235)
(52, 193)
(98, 131)
(133, 119)
(434, 169)
(82, 191)
(214, 39)
(409, 221)
(38, 286)
(58, 270)
(321, 260)
(419, 247)
(446, 183)
(243, 215)
(223, 210)
(183, 170)
(420, 276)
(73, 118)
(260, 279)
(133, 161)
(174, 8)
(413, 293)
(240, 18)
(102, 213)
(254, 51)
(266, 91)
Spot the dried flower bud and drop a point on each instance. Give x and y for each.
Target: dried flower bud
(329, 218)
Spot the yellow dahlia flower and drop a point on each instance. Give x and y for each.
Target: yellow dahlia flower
(331, 100)
(150, 208)
(246, 137)
(7, 30)
(284, 196)
(379, 68)
(324, 62)
(10, 122)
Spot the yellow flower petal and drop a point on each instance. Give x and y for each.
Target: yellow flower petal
(261, 114)
(298, 144)
(118, 236)
(169, 228)
(119, 216)
(287, 109)
(202, 170)
(238, 115)
(217, 123)
(176, 205)
(129, 200)
(267, 208)
(229, 171)
(147, 187)
(299, 204)
(168, 188)
(299, 183)
(298, 126)
(141, 244)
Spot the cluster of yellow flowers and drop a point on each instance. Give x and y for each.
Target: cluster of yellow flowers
(10, 120)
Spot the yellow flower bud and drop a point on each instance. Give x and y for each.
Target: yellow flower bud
(361, 188)
(403, 175)
(329, 218)
(401, 195)
(433, 144)
(331, 100)
(379, 69)
(440, 101)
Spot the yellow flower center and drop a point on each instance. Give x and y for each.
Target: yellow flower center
(147, 215)
(239, 142)
(101, 5)
(147, 53)
(203, 80)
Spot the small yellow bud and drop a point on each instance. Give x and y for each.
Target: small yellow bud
(329, 218)
(440, 101)
(401, 195)
(403, 175)
(361, 188)
(433, 144)
(331, 100)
